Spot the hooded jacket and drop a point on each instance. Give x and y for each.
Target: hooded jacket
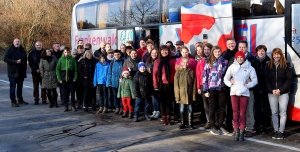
(114, 73)
(240, 74)
(100, 75)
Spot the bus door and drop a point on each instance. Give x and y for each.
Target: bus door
(148, 32)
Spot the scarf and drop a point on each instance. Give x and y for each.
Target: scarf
(164, 62)
(260, 59)
(48, 58)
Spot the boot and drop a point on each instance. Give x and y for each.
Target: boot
(190, 119)
(121, 111)
(130, 116)
(168, 120)
(176, 118)
(124, 115)
(55, 103)
(242, 135)
(146, 117)
(182, 125)
(237, 134)
(51, 104)
(164, 120)
(136, 118)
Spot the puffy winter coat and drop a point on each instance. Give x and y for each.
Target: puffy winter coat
(142, 85)
(114, 73)
(11, 55)
(48, 73)
(240, 74)
(132, 65)
(100, 75)
(66, 69)
(125, 88)
(86, 69)
(185, 86)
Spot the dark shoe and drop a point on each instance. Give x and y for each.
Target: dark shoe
(44, 102)
(124, 115)
(51, 105)
(224, 130)
(242, 135)
(36, 102)
(236, 134)
(190, 121)
(66, 109)
(22, 103)
(248, 134)
(207, 126)
(130, 116)
(182, 124)
(214, 131)
(275, 135)
(74, 109)
(14, 104)
(146, 117)
(135, 119)
(280, 135)
(168, 120)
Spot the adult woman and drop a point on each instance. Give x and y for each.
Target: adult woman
(163, 81)
(213, 88)
(48, 73)
(278, 81)
(239, 72)
(86, 69)
(199, 72)
(155, 99)
(132, 62)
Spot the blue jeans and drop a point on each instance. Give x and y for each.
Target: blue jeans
(117, 102)
(138, 103)
(102, 95)
(69, 88)
(13, 82)
(189, 108)
(155, 102)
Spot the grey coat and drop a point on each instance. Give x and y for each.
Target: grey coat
(48, 73)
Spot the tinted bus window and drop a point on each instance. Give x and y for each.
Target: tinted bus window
(86, 16)
(142, 12)
(110, 14)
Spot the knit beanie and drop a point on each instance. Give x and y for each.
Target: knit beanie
(125, 70)
(241, 54)
(141, 64)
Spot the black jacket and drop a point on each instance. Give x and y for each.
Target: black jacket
(98, 52)
(34, 58)
(228, 54)
(142, 85)
(86, 68)
(11, 55)
(279, 78)
(260, 69)
(57, 54)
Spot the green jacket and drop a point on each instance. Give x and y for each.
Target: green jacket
(125, 88)
(66, 69)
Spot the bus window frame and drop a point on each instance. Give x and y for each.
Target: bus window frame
(96, 3)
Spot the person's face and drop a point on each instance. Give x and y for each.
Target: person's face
(110, 55)
(196, 45)
(240, 60)
(102, 60)
(38, 46)
(126, 75)
(133, 54)
(89, 55)
(107, 47)
(164, 52)
(217, 53)
(184, 63)
(178, 47)
(261, 53)
(80, 43)
(199, 50)
(206, 51)
(48, 53)
(142, 44)
(149, 47)
(102, 45)
(17, 43)
(184, 53)
(66, 53)
(117, 56)
(142, 69)
(243, 47)
(122, 48)
(79, 51)
(230, 44)
(154, 54)
(276, 57)
(56, 47)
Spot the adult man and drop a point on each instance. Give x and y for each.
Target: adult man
(16, 59)
(78, 86)
(80, 42)
(34, 58)
(179, 44)
(100, 51)
(56, 50)
(142, 48)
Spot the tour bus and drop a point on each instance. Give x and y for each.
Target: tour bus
(274, 23)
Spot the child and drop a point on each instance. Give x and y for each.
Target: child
(142, 89)
(185, 91)
(110, 55)
(100, 81)
(66, 72)
(125, 92)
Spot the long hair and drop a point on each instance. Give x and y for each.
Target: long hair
(44, 52)
(211, 59)
(209, 45)
(282, 61)
(164, 47)
(149, 60)
(195, 53)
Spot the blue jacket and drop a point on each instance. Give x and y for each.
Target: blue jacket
(114, 73)
(100, 75)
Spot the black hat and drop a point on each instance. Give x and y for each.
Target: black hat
(179, 42)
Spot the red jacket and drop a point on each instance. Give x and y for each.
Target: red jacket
(141, 51)
(164, 79)
(199, 71)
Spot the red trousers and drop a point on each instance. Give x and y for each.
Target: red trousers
(126, 104)
(239, 107)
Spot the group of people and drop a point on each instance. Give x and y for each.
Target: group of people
(235, 89)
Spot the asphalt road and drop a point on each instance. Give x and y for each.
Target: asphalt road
(39, 128)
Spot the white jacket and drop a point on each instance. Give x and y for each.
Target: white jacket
(240, 74)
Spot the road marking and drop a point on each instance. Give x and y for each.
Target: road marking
(273, 144)
(23, 85)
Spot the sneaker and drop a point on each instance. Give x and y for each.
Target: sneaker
(117, 111)
(44, 102)
(66, 109)
(157, 115)
(275, 135)
(224, 130)
(124, 115)
(104, 110)
(135, 119)
(248, 134)
(214, 131)
(120, 111)
(14, 104)
(280, 135)
(74, 109)
(153, 114)
(147, 118)
(22, 102)
(100, 110)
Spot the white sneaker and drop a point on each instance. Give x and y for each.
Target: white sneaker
(156, 115)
